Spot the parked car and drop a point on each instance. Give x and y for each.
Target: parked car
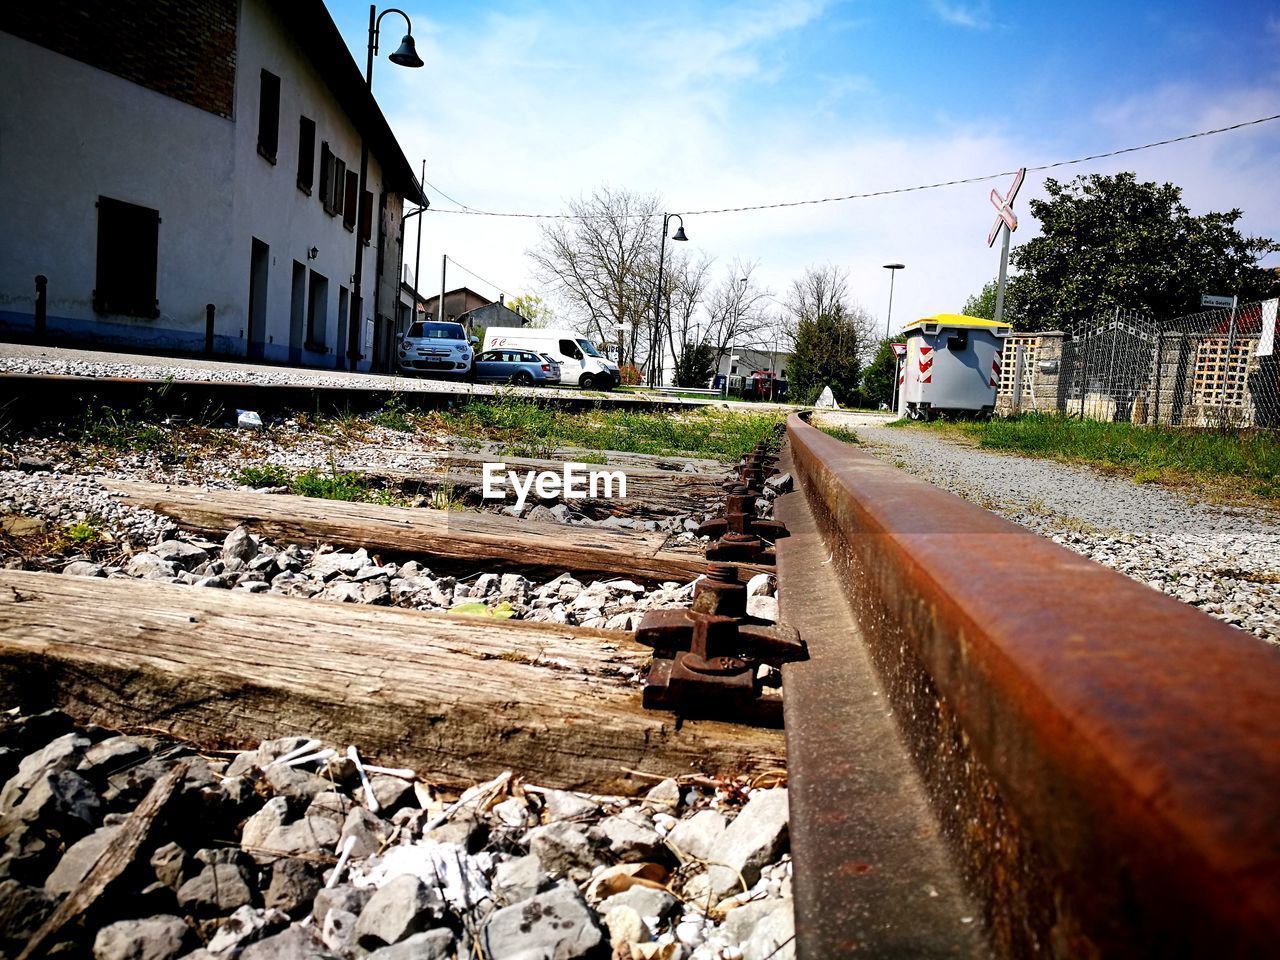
(438, 347)
(522, 367)
(579, 359)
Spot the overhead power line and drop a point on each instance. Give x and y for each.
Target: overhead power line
(472, 211)
(466, 269)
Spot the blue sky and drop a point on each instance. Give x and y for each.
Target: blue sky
(521, 105)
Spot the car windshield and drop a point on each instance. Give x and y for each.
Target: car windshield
(436, 331)
(587, 348)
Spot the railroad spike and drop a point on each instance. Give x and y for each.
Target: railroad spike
(740, 535)
(707, 661)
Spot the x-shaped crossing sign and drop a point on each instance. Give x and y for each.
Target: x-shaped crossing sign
(1004, 207)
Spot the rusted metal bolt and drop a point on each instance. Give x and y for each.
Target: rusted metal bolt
(722, 573)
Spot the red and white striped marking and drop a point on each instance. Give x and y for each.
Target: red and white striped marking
(995, 371)
(925, 363)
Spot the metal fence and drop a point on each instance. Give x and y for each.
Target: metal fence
(1210, 369)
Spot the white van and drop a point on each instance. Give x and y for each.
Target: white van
(580, 360)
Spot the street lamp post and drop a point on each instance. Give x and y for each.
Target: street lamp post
(656, 350)
(417, 256)
(893, 268)
(405, 56)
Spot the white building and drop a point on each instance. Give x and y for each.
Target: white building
(161, 156)
(747, 360)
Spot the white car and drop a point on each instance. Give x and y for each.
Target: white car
(431, 347)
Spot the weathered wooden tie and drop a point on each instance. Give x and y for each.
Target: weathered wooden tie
(458, 698)
(449, 534)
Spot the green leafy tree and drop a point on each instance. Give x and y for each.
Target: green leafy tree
(695, 364)
(533, 308)
(877, 379)
(983, 304)
(1112, 241)
(828, 348)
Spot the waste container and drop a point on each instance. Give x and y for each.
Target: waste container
(952, 366)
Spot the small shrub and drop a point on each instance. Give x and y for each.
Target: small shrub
(394, 415)
(264, 475)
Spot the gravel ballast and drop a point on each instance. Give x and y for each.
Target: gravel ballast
(1224, 560)
(298, 848)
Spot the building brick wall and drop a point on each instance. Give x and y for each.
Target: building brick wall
(179, 49)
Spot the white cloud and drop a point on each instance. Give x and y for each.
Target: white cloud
(974, 17)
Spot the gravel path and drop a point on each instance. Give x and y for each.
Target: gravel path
(1224, 560)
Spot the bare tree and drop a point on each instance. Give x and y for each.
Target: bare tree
(737, 309)
(829, 336)
(814, 295)
(685, 280)
(598, 261)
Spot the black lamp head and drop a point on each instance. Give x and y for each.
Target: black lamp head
(407, 55)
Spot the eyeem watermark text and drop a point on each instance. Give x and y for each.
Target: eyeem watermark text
(574, 482)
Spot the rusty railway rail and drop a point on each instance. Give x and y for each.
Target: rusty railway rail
(1102, 761)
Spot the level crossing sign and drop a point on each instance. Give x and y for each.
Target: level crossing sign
(1004, 207)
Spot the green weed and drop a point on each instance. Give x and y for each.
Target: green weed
(394, 415)
(526, 426)
(264, 475)
(843, 434)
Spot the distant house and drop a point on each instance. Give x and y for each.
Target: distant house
(490, 315)
(161, 157)
(750, 359)
(456, 303)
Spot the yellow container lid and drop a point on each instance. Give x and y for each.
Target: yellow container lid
(960, 320)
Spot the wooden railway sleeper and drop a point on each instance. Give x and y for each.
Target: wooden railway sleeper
(707, 659)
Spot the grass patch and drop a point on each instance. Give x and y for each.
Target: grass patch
(394, 415)
(124, 430)
(843, 434)
(264, 475)
(332, 486)
(1224, 462)
(526, 426)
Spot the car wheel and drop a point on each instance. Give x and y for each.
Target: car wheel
(587, 382)
(523, 379)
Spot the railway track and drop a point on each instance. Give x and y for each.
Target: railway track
(994, 746)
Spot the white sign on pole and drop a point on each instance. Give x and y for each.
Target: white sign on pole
(1267, 343)
(1004, 207)
(1209, 300)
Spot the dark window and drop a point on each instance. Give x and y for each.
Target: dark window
(366, 217)
(333, 181)
(326, 173)
(269, 115)
(317, 308)
(570, 349)
(128, 245)
(306, 154)
(349, 200)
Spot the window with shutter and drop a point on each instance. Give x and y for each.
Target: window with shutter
(306, 154)
(339, 182)
(326, 176)
(349, 204)
(366, 217)
(269, 115)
